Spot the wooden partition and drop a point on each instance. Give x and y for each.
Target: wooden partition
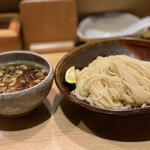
(48, 20)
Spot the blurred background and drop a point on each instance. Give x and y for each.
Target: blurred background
(47, 26)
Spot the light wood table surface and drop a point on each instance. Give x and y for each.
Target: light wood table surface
(58, 124)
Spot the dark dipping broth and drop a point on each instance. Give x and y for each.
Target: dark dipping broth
(18, 77)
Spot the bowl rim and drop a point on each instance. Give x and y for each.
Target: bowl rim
(50, 73)
(96, 108)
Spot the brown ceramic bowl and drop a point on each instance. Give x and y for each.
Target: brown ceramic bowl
(83, 55)
(20, 103)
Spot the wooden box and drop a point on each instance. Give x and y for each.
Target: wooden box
(10, 38)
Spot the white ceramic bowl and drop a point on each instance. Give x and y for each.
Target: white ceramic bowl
(105, 25)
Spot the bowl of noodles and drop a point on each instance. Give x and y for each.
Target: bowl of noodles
(112, 76)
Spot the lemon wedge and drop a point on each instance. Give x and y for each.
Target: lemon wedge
(70, 76)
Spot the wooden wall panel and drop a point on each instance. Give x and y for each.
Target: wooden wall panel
(140, 8)
(9, 5)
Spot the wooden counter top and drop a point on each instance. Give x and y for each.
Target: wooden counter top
(58, 124)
